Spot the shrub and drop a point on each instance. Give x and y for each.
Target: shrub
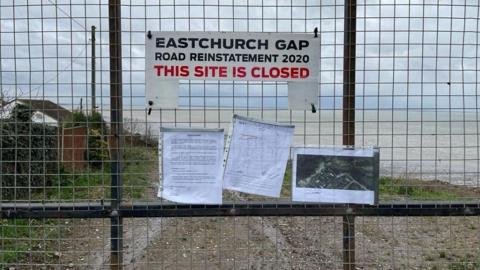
(97, 148)
(28, 154)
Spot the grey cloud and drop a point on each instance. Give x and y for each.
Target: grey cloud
(385, 63)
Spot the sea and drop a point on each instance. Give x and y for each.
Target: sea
(414, 144)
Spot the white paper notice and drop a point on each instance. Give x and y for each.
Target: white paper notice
(192, 165)
(257, 156)
(335, 175)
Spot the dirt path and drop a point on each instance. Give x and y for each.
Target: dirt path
(213, 243)
(274, 242)
(277, 243)
(138, 233)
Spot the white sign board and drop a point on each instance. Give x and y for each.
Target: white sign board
(233, 56)
(191, 163)
(257, 156)
(335, 175)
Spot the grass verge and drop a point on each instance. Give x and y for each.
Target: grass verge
(94, 184)
(424, 190)
(24, 239)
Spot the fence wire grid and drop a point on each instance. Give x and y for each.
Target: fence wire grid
(416, 98)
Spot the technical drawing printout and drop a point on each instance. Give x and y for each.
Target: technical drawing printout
(192, 165)
(257, 156)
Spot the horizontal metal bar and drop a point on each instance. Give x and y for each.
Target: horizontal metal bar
(161, 209)
(55, 210)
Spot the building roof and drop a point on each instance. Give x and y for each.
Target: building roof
(47, 107)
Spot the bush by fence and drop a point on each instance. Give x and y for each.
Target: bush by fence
(28, 154)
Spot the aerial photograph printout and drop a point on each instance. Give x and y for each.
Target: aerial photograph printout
(335, 175)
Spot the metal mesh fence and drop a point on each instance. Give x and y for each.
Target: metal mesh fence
(416, 81)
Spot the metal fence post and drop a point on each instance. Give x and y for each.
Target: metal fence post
(94, 103)
(349, 46)
(116, 221)
(348, 242)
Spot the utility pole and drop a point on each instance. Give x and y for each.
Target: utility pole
(94, 104)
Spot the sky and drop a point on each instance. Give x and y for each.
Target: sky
(410, 54)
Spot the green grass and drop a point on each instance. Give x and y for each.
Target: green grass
(398, 188)
(140, 170)
(468, 262)
(22, 238)
(87, 185)
(412, 190)
(11, 230)
(94, 184)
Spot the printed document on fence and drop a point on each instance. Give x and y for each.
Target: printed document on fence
(335, 175)
(257, 156)
(192, 165)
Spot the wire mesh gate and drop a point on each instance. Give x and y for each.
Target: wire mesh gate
(398, 74)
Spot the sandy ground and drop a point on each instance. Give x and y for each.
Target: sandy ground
(275, 243)
(267, 243)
